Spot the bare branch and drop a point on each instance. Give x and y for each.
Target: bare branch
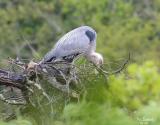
(59, 74)
(118, 70)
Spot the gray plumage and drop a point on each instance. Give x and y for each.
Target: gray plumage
(81, 40)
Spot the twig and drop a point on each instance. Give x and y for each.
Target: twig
(118, 70)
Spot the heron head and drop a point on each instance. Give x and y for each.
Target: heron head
(96, 58)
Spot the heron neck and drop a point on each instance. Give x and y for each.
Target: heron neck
(89, 56)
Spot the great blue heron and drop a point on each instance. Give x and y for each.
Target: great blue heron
(80, 41)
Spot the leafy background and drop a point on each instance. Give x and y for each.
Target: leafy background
(123, 26)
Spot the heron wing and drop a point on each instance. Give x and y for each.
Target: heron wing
(74, 42)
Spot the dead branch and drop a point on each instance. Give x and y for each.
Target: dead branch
(11, 79)
(59, 74)
(118, 70)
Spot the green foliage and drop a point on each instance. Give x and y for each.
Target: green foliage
(29, 28)
(92, 114)
(134, 25)
(18, 122)
(139, 87)
(136, 95)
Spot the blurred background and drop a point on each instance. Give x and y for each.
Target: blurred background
(30, 28)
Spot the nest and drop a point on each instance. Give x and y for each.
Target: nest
(18, 86)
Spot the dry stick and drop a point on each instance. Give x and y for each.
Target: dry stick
(39, 87)
(118, 70)
(11, 80)
(17, 63)
(62, 88)
(54, 82)
(19, 83)
(11, 101)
